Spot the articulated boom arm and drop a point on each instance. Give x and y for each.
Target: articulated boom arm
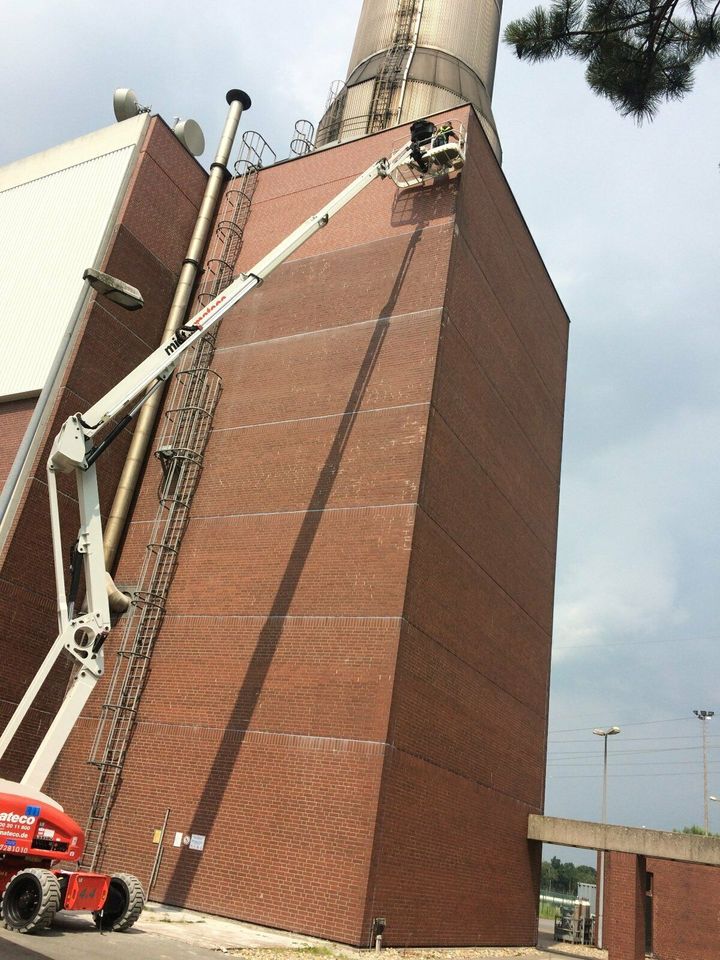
(82, 637)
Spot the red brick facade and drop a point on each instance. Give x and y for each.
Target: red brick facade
(146, 248)
(624, 922)
(348, 696)
(685, 910)
(14, 418)
(677, 903)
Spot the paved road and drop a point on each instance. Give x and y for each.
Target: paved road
(73, 937)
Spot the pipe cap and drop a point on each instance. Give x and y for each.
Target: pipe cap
(240, 95)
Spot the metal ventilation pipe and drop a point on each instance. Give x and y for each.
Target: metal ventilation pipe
(238, 101)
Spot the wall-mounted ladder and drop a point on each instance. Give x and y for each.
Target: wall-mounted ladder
(390, 79)
(189, 416)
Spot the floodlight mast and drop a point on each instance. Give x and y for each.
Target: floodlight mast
(82, 637)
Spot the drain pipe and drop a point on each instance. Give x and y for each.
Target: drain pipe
(238, 101)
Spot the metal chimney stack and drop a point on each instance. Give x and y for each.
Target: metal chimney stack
(413, 58)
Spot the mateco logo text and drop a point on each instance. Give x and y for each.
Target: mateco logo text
(16, 818)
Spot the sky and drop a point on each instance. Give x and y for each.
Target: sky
(627, 221)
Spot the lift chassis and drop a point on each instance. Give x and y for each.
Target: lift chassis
(36, 835)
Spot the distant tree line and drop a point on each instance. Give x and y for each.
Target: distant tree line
(695, 830)
(563, 878)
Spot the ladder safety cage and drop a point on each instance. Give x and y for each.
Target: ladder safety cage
(304, 140)
(188, 422)
(389, 82)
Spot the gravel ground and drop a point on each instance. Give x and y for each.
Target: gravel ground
(251, 942)
(388, 953)
(577, 950)
(567, 950)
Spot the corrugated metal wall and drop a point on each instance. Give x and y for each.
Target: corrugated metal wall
(51, 228)
(421, 99)
(467, 29)
(452, 62)
(374, 31)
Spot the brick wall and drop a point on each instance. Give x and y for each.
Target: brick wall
(348, 695)
(686, 916)
(684, 907)
(14, 418)
(468, 720)
(264, 722)
(624, 923)
(146, 249)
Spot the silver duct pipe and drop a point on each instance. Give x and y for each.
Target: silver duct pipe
(238, 101)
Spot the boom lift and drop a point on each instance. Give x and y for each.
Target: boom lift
(35, 833)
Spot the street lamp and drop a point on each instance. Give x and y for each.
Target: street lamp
(599, 732)
(705, 715)
(118, 291)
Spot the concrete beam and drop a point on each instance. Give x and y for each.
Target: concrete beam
(690, 848)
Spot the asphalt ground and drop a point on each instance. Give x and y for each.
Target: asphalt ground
(74, 937)
(161, 933)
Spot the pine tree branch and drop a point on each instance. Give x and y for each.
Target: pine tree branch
(670, 10)
(638, 53)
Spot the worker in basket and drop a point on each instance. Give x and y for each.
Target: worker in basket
(443, 134)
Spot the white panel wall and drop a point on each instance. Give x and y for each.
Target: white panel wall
(55, 209)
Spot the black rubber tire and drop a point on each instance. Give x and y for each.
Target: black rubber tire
(30, 900)
(124, 904)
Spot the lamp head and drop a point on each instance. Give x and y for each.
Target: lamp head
(118, 291)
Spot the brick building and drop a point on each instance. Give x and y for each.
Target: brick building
(347, 698)
(663, 908)
(143, 233)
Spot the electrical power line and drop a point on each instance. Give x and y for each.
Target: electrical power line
(618, 776)
(632, 643)
(579, 755)
(633, 763)
(687, 736)
(637, 723)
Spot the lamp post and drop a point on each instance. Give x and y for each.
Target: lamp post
(704, 716)
(599, 732)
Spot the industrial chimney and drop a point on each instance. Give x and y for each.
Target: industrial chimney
(413, 58)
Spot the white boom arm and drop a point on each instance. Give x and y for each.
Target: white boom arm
(82, 637)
